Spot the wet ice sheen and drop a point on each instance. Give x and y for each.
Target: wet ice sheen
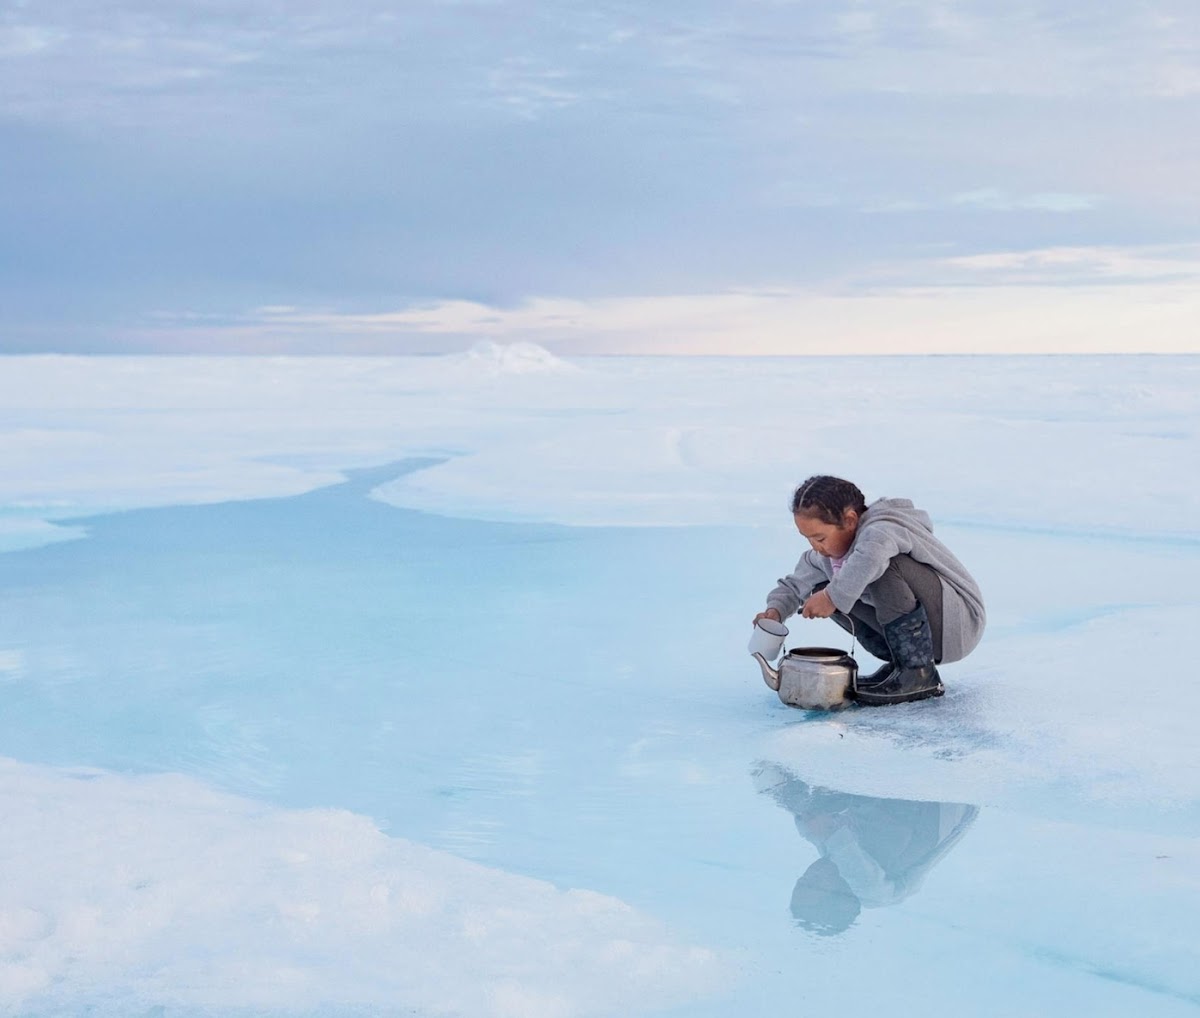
(321, 752)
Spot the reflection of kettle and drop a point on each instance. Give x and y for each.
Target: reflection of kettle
(814, 678)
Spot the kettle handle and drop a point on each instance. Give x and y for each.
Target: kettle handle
(853, 635)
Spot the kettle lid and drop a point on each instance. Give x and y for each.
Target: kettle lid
(818, 653)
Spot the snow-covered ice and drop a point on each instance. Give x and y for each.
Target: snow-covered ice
(419, 686)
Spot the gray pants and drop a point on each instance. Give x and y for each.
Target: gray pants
(904, 585)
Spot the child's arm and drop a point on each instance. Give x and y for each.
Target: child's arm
(868, 560)
(793, 589)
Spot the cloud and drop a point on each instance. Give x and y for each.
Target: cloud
(25, 40)
(995, 200)
(1054, 300)
(1155, 266)
(528, 90)
(214, 156)
(130, 51)
(990, 199)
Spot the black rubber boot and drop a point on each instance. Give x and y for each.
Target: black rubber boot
(876, 646)
(875, 677)
(913, 676)
(872, 641)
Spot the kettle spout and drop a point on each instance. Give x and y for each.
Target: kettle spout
(770, 675)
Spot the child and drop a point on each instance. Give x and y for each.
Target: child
(879, 571)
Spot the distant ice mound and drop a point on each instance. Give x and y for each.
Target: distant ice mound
(514, 358)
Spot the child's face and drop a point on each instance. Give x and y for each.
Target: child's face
(829, 539)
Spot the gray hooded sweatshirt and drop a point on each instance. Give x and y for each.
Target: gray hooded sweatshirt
(891, 527)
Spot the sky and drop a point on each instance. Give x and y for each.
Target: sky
(766, 177)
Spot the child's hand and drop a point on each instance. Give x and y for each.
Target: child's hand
(819, 606)
(770, 613)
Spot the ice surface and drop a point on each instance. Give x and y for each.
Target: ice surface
(202, 900)
(418, 686)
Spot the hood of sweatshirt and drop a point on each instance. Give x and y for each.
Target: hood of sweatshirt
(898, 510)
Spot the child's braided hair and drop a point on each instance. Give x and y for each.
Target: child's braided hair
(827, 498)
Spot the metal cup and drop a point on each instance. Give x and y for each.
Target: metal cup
(767, 638)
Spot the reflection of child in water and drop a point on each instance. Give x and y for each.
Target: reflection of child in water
(874, 852)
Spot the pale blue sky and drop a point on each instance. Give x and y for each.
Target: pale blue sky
(360, 176)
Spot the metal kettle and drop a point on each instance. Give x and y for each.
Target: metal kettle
(812, 678)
